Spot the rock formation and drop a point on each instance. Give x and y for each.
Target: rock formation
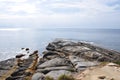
(61, 57)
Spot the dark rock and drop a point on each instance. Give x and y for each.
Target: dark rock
(51, 47)
(19, 55)
(17, 73)
(50, 55)
(27, 74)
(15, 78)
(22, 48)
(27, 49)
(104, 59)
(102, 77)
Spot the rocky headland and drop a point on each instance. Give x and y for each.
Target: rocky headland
(64, 60)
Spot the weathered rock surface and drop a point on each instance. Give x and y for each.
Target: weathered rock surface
(22, 69)
(109, 71)
(56, 74)
(55, 62)
(46, 70)
(38, 76)
(6, 65)
(82, 49)
(60, 57)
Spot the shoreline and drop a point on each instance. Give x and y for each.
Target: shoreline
(85, 43)
(61, 57)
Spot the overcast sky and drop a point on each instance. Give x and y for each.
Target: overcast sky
(60, 13)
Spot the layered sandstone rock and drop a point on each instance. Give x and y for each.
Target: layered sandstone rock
(61, 57)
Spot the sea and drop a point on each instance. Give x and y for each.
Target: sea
(13, 39)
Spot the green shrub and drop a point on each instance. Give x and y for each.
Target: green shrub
(117, 62)
(65, 77)
(71, 70)
(48, 78)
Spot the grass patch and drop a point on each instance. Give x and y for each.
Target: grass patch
(103, 63)
(71, 70)
(48, 78)
(117, 62)
(65, 77)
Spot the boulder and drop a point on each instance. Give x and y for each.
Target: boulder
(19, 55)
(80, 63)
(51, 47)
(38, 76)
(56, 74)
(59, 43)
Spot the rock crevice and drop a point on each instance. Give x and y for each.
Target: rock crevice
(61, 57)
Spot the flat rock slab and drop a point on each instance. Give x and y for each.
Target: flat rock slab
(56, 74)
(106, 72)
(46, 70)
(55, 62)
(38, 76)
(6, 65)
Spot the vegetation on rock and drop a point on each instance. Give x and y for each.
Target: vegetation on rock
(65, 77)
(117, 62)
(48, 78)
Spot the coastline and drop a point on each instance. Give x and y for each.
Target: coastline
(60, 57)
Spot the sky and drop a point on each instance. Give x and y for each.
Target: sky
(60, 13)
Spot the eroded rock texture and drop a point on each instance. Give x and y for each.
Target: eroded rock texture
(61, 57)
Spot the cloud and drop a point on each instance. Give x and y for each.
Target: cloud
(27, 8)
(69, 13)
(13, 1)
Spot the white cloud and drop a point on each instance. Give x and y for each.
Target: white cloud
(25, 7)
(41, 6)
(48, 12)
(13, 1)
(85, 6)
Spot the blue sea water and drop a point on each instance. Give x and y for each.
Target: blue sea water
(11, 41)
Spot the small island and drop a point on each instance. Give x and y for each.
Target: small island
(63, 60)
